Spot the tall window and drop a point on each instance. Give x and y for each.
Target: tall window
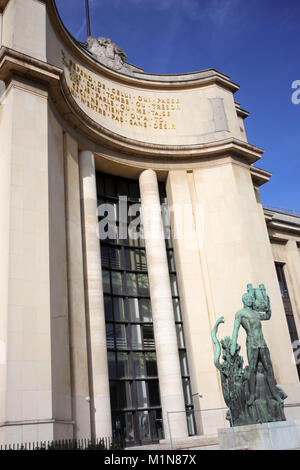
(178, 314)
(287, 305)
(134, 385)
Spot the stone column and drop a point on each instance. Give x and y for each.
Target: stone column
(76, 294)
(98, 369)
(169, 373)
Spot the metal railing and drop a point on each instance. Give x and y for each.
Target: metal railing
(206, 421)
(101, 443)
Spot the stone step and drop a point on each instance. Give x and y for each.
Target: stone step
(205, 442)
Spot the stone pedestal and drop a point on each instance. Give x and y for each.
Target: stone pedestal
(281, 435)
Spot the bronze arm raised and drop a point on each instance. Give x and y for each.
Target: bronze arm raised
(217, 343)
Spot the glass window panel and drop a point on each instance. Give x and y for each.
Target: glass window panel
(122, 364)
(131, 284)
(187, 391)
(162, 191)
(148, 335)
(108, 308)
(142, 238)
(121, 340)
(100, 209)
(100, 183)
(144, 425)
(141, 394)
(191, 421)
(109, 186)
(122, 187)
(134, 209)
(119, 313)
(143, 284)
(122, 209)
(134, 190)
(122, 234)
(133, 241)
(134, 225)
(151, 364)
(124, 395)
(154, 398)
(158, 424)
(106, 281)
(111, 358)
(130, 259)
(113, 394)
(171, 260)
(111, 213)
(165, 213)
(117, 424)
(174, 285)
(132, 306)
(177, 310)
(168, 237)
(108, 231)
(135, 236)
(292, 327)
(180, 339)
(136, 337)
(183, 363)
(145, 310)
(139, 365)
(140, 259)
(129, 429)
(116, 281)
(115, 258)
(105, 256)
(110, 336)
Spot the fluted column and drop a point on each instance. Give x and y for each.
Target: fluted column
(76, 294)
(169, 373)
(98, 369)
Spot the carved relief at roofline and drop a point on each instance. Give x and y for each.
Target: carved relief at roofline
(109, 54)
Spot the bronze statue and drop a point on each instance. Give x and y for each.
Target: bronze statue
(231, 372)
(250, 317)
(252, 394)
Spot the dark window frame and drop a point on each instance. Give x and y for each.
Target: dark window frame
(118, 264)
(287, 304)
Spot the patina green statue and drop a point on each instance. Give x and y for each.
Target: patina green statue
(231, 372)
(252, 394)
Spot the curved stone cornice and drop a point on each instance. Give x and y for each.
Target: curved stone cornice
(140, 79)
(13, 62)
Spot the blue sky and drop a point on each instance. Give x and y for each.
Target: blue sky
(255, 42)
